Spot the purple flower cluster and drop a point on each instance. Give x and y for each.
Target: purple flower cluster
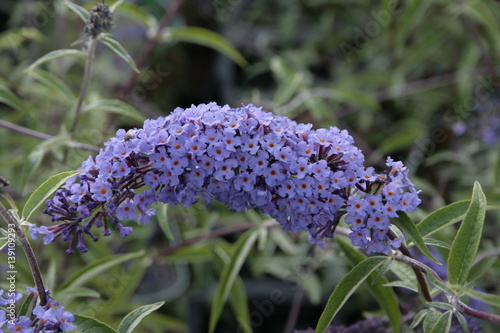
(46, 318)
(243, 157)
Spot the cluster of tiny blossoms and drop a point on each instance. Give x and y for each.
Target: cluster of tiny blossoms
(45, 319)
(244, 157)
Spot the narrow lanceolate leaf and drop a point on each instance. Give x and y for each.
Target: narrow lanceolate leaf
(487, 298)
(206, 38)
(462, 321)
(384, 295)
(54, 83)
(404, 223)
(120, 51)
(162, 218)
(133, 319)
(42, 193)
(56, 55)
(229, 273)
(442, 217)
(430, 320)
(114, 106)
(466, 242)
(113, 7)
(96, 267)
(9, 98)
(346, 287)
(443, 324)
(27, 306)
(237, 296)
(79, 10)
(418, 318)
(91, 325)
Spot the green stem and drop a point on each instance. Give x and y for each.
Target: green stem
(85, 84)
(28, 251)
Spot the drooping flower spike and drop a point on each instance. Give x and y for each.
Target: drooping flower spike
(243, 157)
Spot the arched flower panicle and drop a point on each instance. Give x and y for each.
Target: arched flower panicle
(244, 157)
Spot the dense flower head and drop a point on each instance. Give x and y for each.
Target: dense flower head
(48, 318)
(100, 20)
(243, 157)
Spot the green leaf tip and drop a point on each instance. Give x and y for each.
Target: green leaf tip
(466, 243)
(45, 190)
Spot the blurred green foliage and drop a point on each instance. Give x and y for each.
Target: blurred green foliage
(415, 80)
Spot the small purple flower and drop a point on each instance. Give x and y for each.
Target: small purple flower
(126, 211)
(245, 181)
(225, 170)
(21, 324)
(10, 297)
(101, 190)
(121, 169)
(359, 238)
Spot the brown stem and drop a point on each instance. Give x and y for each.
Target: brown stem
(479, 314)
(148, 48)
(28, 251)
(416, 265)
(418, 273)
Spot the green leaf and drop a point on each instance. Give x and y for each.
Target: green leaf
(241, 249)
(482, 267)
(441, 305)
(237, 296)
(442, 217)
(356, 97)
(204, 37)
(80, 11)
(402, 284)
(54, 83)
(44, 191)
(399, 141)
(133, 319)
(346, 287)
(91, 325)
(113, 7)
(68, 295)
(441, 286)
(435, 242)
(430, 319)
(120, 51)
(162, 218)
(26, 308)
(383, 271)
(465, 245)
(404, 223)
(418, 318)
(312, 287)
(462, 321)
(443, 324)
(487, 298)
(55, 55)
(14, 37)
(114, 106)
(384, 295)
(9, 98)
(97, 267)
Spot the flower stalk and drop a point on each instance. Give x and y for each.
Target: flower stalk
(28, 251)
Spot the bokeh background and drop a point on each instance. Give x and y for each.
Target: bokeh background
(415, 80)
